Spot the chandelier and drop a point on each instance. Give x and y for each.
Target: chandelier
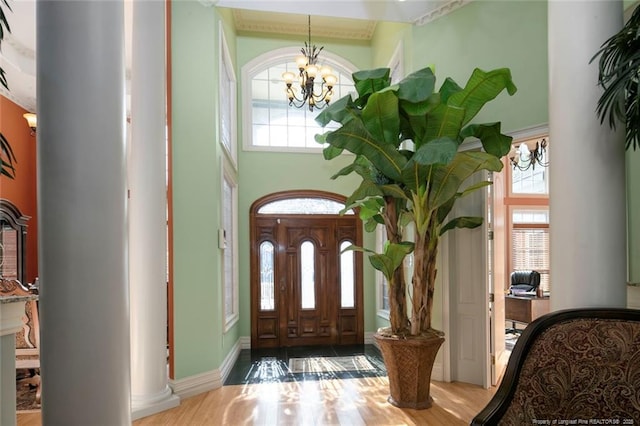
(309, 70)
(524, 157)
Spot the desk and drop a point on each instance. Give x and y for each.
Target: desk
(525, 309)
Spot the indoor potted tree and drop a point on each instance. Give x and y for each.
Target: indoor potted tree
(619, 76)
(406, 139)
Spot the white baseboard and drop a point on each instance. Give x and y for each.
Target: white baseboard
(194, 385)
(229, 361)
(204, 382)
(245, 342)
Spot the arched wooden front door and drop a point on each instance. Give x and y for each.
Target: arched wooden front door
(304, 291)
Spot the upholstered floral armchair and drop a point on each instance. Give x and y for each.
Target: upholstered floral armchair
(579, 366)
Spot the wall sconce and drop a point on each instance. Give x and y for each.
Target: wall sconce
(32, 121)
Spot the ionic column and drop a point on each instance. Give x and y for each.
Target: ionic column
(84, 297)
(587, 176)
(150, 392)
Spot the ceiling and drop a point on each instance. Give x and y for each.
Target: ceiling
(342, 19)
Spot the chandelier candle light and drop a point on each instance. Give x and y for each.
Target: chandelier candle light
(524, 158)
(308, 71)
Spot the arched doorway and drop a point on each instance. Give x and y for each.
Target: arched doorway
(305, 289)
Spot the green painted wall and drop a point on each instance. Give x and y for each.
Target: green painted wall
(199, 343)
(262, 173)
(489, 35)
(485, 34)
(387, 37)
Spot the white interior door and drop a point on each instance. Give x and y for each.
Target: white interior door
(497, 246)
(469, 294)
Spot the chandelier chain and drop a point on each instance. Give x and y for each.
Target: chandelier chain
(307, 77)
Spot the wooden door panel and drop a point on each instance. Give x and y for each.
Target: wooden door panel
(308, 324)
(288, 324)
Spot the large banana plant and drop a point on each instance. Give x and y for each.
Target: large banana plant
(406, 139)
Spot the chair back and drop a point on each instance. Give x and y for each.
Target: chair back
(576, 364)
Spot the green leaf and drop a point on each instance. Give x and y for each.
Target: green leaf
(448, 88)
(420, 108)
(438, 151)
(417, 87)
(371, 225)
(366, 190)
(355, 138)
(462, 222)
(480, 89)
(446, 180)
(380, 117)
(6, 165)
(371, 81)
(394, 191)
(392, 258)
(339, 111)
(444, 121)
(493, 141)
(371, 208)
(470, 189)
(331, 152)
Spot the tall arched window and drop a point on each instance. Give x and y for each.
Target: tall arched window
(269, 122)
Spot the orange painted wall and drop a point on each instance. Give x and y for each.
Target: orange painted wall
(21, 191)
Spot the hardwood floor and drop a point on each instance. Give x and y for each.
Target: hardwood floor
(326, 402)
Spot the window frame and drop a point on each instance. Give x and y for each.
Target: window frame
(380, 279)
(263, 62)
(227, 86)
(529, 226)
(229, 176)
(509, 167)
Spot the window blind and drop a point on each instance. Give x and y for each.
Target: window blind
(530, 250)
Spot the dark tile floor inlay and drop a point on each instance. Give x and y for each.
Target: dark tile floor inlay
(272, 365)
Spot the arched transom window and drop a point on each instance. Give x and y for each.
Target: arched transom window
(270, 123)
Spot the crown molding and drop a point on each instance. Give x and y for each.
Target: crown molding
(27, 103)
(441, 11)
(322, 27)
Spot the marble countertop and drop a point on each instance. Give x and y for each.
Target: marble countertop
(12, 299)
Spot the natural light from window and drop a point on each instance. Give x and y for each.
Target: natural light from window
(277, 126)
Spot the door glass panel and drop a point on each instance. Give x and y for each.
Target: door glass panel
(307, 276)
(303, 206)
(347, 298)
(267, 289)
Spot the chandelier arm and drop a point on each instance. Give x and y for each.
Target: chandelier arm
(294, 97)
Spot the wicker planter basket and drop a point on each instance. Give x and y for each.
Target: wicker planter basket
(409, 363)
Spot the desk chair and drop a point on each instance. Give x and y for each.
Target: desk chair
(528, 281)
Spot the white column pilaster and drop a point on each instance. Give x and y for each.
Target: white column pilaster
(587, 177)
(150, 392)
(84, 296)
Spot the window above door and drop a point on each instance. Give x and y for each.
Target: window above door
(270, 123)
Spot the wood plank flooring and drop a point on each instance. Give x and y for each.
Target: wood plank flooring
(349, 402)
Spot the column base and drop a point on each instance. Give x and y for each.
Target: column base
(143, 407)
